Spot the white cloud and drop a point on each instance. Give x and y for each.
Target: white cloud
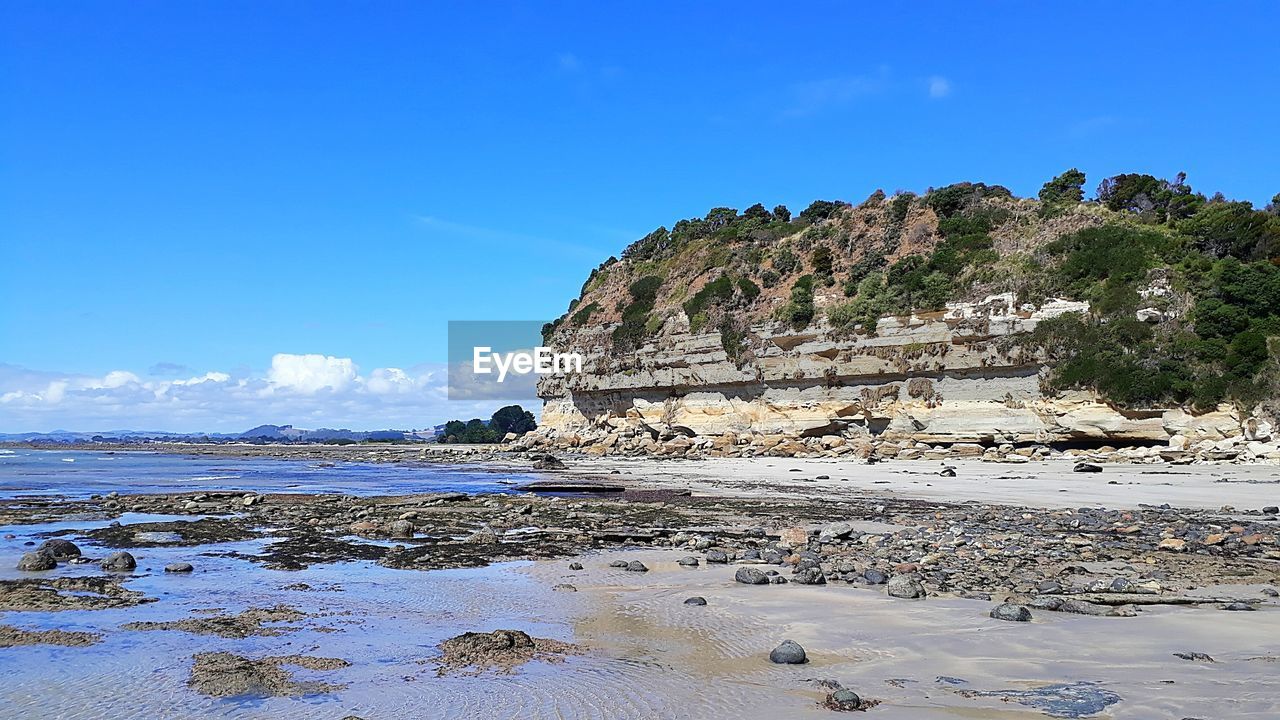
(309, 374)
(385, 381)
(115, 379)
(814, 96)
(305, 390)
(939, 87)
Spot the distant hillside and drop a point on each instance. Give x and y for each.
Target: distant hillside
(261, 433)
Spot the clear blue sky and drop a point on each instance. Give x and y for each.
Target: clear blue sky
(208, 184)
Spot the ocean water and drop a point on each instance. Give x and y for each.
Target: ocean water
(81, 473)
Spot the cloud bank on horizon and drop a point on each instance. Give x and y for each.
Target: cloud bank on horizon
(305, 390)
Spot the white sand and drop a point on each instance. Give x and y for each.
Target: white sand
(1038, 484)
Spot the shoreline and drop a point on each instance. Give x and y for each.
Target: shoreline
(1043, 483)
(829, 554)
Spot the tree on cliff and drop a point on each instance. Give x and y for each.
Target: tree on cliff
(1066, 189)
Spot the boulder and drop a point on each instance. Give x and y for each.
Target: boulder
(788, 653)
(1011, 612)
(810, 576)
(400, 529)
(905, 586)
(751, 576)
(59, 549)
(834, 531)
(37, 561)
(120, 561)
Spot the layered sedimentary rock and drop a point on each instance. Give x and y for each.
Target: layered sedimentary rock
(957, 376)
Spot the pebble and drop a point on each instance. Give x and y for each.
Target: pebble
(619, 564)
(1087, 467)
(180, 567)
(695, 600)
(788, 653)
(575, 566)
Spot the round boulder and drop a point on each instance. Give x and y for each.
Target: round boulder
(119, 561)
(751, 576)
(843, 700)
(60, 549)
(905, 586)
(695, 600)
(37, 561)
(1011, 612)
(688, 561)
(400, 529)
(788, 653)
(180, 567)
(636, 566)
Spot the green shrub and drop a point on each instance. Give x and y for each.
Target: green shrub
(1067, 187)
(822, 264)
(719, 289)
(633, 329)
(821, 210)
(582, 316)
(750, 291)
(785, 261)
(799, 310)
(1234, 229)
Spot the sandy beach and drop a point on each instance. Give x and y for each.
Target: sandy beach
(337, 605)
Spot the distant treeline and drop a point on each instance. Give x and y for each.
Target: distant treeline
(510, 419)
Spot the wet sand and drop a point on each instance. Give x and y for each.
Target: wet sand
(312, 596)
(645, 653)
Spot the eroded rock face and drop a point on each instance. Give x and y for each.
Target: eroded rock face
(960, 376)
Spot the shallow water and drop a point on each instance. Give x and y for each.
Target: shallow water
(647, 654)
(75, 473)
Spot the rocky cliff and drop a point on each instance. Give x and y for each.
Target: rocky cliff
(897, 327)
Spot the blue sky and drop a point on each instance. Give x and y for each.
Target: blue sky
(195, 188)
